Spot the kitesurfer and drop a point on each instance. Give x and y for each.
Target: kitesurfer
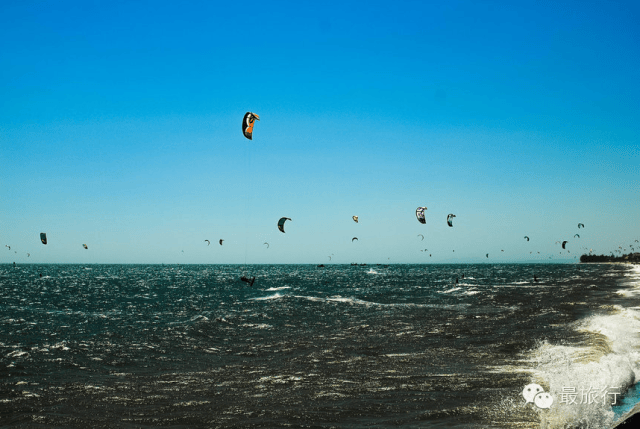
(248, 280)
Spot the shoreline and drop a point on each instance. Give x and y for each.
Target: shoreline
(629, 419)
(631, 258)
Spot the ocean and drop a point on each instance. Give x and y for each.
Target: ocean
(340, 346)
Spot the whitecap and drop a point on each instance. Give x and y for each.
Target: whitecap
(277, 288)
(264, 298)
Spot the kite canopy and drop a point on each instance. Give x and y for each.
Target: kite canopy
(43, 238)
(355, 218)
(420, 235)
(208, 242)
(353, 239)
(527, 238)
(85, 246)
(564, 243)
(420, 214)
(576, 236)
(266, 244)
(221, 240)
(450, 217)
(580, 225)
(281, 223)
(247, 124)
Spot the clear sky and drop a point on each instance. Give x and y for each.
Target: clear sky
(120, 127)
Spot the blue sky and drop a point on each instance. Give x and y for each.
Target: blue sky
(120, 127)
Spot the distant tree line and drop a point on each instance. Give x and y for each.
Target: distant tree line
(631, 257)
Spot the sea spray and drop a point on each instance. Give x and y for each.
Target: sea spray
(587, 378)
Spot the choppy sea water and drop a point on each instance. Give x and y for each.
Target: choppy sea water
(335, 347)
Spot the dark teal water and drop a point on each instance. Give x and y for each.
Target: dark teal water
(340, 346)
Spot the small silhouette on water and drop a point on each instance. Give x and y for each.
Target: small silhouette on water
(248, 280)
(535, 278)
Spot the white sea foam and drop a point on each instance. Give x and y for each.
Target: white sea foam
(199, 318)
(17, 353)
(264, 298)
(256, 325)
(586, 379)
(350, 300)
(277, 288)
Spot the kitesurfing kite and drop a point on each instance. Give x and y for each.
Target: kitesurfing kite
(208, 242)
(580, 225)
(247, 124)
(450, 217)
(43, 238)
(355, 218)
(420, 214)
(266, 244)
(576, 236)
(85, 246)
(526, 237)
(564, 243)
(420, 235)
(354, 238)
(221, 240)
(281, 223)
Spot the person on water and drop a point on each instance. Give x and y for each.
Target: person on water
(248, 280)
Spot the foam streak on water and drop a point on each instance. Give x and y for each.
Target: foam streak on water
(411, 346)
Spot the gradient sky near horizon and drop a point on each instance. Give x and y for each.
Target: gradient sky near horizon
(120, 127)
